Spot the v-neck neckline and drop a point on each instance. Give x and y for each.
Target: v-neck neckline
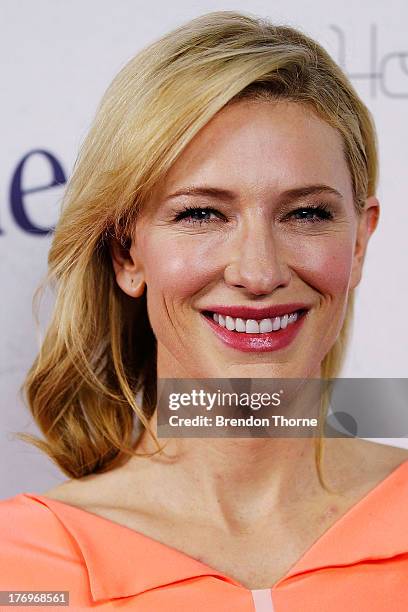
(350, 514)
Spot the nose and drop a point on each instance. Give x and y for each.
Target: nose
(257, 259)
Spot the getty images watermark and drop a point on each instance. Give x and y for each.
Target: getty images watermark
(199, 398)
(275, 407)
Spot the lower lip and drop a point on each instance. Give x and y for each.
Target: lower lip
(269, 341)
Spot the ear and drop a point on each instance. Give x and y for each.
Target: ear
(367, 222)
(127, 267)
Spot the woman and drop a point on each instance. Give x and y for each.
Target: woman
(231, 169)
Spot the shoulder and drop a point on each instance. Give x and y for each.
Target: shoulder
(100, 490)
(23, 518)
(365, 460)
(37, 551)
(383, 458)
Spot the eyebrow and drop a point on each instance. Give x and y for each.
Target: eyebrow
(229, 196)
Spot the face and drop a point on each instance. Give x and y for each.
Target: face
(247, 237)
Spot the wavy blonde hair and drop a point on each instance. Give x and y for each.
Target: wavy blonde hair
(99, 350)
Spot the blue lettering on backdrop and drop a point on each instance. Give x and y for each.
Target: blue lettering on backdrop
(17, 191)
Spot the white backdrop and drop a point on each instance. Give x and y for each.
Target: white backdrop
(59, 57)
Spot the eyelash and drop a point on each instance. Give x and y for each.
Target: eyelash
(322, 209)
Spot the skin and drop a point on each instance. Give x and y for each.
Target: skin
(254, 253)
(249, 254)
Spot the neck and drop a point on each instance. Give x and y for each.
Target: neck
(234, 480)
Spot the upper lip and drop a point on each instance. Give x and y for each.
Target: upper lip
(248, 312)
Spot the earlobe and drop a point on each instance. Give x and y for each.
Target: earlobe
(132, 285)
(372, 207)
(367, 224)
(127, 269)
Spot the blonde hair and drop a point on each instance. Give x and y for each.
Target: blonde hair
(99, 350)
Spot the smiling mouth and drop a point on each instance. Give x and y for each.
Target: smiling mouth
(255, 326)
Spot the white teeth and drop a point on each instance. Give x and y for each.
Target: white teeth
(284, 321)
(229, 323)
(240, 325)
(276, 324)
(265, 326)
(251, 326)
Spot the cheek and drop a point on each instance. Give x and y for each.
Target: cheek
(326, 265)
(177, 267)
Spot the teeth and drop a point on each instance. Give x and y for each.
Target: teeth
(265, 325)
(229, 323)
(251, 326)
(240, 325)
(276, 324)
(284, 321)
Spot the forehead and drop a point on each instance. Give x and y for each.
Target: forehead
(263, 145)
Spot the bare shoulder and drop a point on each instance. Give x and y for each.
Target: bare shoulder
(364, 463)
(86, 492)
(69, 492)
(107, 495)
(381, 454)
(106, 490)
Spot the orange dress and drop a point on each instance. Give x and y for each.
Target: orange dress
(360, 564)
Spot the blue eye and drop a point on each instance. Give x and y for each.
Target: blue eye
(315, 213)
(318, 212)
(195, 214)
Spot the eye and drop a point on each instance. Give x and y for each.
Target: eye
(315, 213)
(196, 214)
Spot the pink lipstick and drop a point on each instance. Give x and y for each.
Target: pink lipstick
(257, 342)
